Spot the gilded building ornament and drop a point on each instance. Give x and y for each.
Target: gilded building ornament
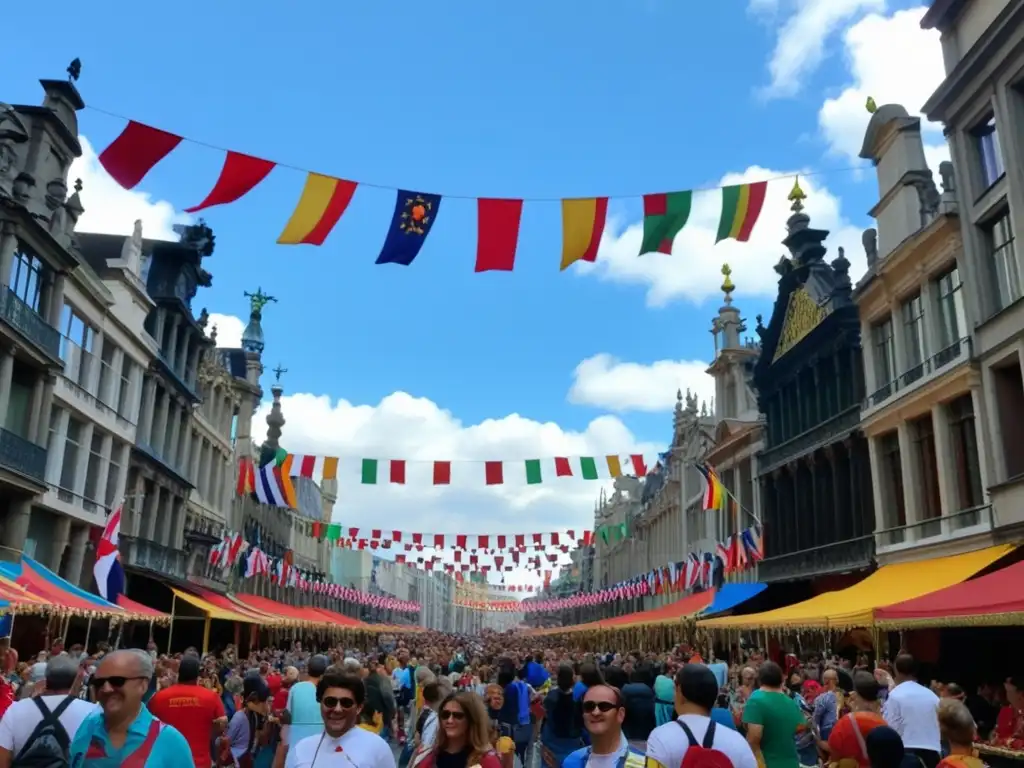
(803, 314)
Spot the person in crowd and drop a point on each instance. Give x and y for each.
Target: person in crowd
(302, 715)
(1010, 720)
(340, 744)
(22, 740)
(560, 734)
(196, 711)
(123, 731)
(846, 743)
(515, 709)
(958, 730)
(380, 696)
(910, 710)
(773, 720)
(806, 738)
(247, 731)
(696, 691)
(884, 749)
(639, 697)
(403, 683)
(984, 708)
(827, 705)
(604, 711)
(464, 738)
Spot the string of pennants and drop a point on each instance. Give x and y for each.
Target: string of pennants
(324, 200)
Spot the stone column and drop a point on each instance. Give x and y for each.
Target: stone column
(55, 304)
(946, 466)
(147, 412)
(186, 451)
(79, 541)
(104, 473)
(984, 443)
(164, 515)
(125, 455)
(83, 459)
(181, 362)
(133, 411)
(8, 245)
(6, 373)
(159, 436)
(35, 416)
(55, 454)
(908, 463)
(19, 516)
(151, 507)
(42, 434)
(196, 451)
(207, 469)
(881, 521)
(171, 443)
(898, 343)
(171, 350)
(871, 382)
(61, 532)
(110, 391)
(931, 332)
(159, 325)
(177, 523)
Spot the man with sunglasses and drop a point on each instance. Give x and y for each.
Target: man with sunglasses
(124, 732)
(604, 711)
(342, 744)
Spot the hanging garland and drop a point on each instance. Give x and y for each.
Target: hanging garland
(324, 199)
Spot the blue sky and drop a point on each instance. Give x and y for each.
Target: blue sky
(529, 99)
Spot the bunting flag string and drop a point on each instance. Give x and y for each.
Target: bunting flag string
(324, 199)
(464, 542)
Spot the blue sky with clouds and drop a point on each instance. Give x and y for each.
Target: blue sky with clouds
(529, 99)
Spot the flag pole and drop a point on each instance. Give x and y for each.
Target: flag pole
(88, 631)
(732, 496)
(170, 627)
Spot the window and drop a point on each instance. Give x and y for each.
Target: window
(1003, 272)
(885, 358)
(990, 157)
(895, 514)
(71, 448)
(106, 390)
(123, 401)
(27, 274)
(113, 476)
(923, 432)
(93, 469)
(964, 443)
(76, 346)
(952, 320)
(913, 333)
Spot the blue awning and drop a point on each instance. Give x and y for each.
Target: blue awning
(731, 595)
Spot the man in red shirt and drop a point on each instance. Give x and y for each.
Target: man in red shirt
(194, 710)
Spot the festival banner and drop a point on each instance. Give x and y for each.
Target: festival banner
(324, 199)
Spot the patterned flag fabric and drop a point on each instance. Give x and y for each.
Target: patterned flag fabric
(414, 217)
(107, 571)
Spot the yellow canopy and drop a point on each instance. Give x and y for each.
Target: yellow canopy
(212, 610)
(855, 606)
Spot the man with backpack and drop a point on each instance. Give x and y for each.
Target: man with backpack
(694, 740)
(37, 732)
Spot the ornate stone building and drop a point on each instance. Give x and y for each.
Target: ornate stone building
(817, 501)
(925, 388)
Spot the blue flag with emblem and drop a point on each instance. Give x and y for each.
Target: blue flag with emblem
(415, 214)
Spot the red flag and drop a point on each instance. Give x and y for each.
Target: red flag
(562, 468)
(638, 464)
(494, 473)
(134, 153)
(442, 472)
(398, 471)
(497, 234)
(238, 176)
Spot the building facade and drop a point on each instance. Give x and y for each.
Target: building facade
(981, 106)
(924, 386)
(816, 492)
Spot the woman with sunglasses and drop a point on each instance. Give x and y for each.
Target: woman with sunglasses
(464, 739)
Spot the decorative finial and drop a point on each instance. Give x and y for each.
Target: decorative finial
(258, 300)
(797, 196)
(78, 185)
(871, 106)
(279, 372)
(213, 335)
(74, 70)
(727, 285)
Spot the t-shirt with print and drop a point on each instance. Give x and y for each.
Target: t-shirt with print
(355, 748)
(668, 743)
(780, 718)
(22, 717)
(191, 709)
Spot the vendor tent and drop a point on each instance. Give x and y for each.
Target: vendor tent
(730, 596)
(218, 607)
(855, 606)
(292, 614)
(996, 599)
(143, 611)
(674, 611)
(44, 584)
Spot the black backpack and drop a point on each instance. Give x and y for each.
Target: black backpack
(48, 745)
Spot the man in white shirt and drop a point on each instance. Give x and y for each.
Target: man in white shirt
(696, 692)
(341, 744)
(912, 711)
(21, 719)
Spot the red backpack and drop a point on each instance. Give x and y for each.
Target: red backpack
(703, 755)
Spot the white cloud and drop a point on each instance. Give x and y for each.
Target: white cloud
(894, 61)
(693, 270)
(604, 382)
(229, 330)
(418, 430)
(801, 40)
(113, 210)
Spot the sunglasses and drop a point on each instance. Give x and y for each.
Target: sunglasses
(333, 702)
(601, 706)
(115, 681)
(451, 714)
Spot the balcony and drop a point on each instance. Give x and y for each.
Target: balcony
(822, 434)
(180, 472)
(22, 456)
(959, 350)
(148, 555)
(29, 323)
(186, 379)
(958, 525)
(837, 557)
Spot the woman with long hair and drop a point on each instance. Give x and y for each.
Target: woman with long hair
(464, 738)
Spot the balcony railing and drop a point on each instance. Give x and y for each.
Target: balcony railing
(143, 553)
(30, 323)
(962, 349)
(973, 520)
(22, 456)
(821, 434)
(837, 557)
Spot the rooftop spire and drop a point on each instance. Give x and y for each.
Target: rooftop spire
(252, 336)
(727, 285)
(275, 419)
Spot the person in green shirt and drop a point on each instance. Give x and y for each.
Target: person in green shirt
(773, 719)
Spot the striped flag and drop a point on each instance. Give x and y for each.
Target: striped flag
(107, 571)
